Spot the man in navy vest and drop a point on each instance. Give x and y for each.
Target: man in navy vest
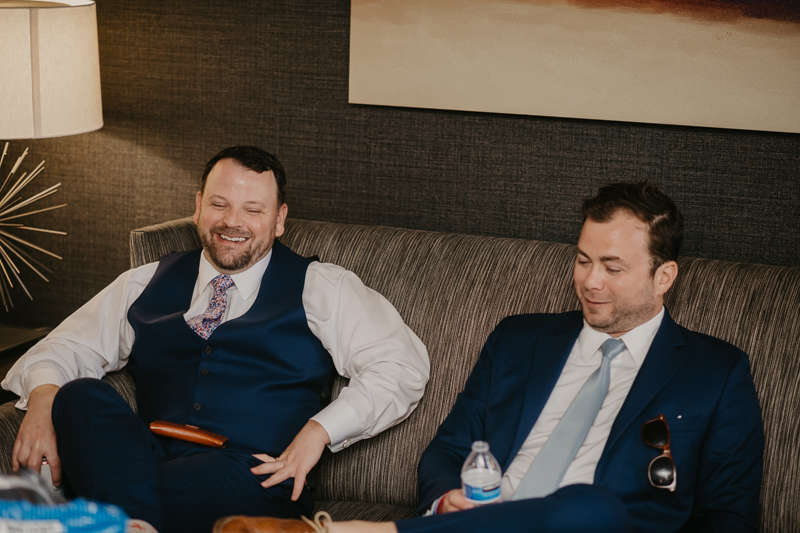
(239, 338)
(674, 440)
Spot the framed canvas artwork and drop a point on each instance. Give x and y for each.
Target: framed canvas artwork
(711, 63)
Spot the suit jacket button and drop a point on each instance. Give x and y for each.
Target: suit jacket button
(204, 372)
(208, 349)
(197, 407)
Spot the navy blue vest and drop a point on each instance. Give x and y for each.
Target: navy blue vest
(257, 379)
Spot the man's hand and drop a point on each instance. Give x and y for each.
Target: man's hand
(454, 501)
(297, 460)
(37, 437)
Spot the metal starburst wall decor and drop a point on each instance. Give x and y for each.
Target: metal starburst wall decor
(13, 247)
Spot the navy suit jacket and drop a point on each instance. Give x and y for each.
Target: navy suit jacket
(701, 384)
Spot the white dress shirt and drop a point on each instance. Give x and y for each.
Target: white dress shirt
(367, 339)
(583, 360)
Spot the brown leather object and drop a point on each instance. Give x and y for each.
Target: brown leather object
(188, 433)
(257, 524)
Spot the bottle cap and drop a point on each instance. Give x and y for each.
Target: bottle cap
(480, 446)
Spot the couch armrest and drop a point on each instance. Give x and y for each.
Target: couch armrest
(10, 419)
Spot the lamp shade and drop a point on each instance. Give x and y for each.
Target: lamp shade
(50, 71)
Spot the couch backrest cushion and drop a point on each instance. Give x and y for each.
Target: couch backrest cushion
(150, 243)
(453, 289)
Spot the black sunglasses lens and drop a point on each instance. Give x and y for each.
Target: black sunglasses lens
(655, 433)
(661, 471)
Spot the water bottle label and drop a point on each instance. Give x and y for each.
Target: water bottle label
(483, 494)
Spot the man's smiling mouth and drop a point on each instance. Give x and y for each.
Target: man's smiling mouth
(231, 239)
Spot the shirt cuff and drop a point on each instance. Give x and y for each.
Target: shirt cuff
(40, 375)
(434, 508)
(342, 424)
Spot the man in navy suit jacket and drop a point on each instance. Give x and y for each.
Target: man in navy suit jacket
(532, 367)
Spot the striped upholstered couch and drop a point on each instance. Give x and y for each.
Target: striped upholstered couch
(453, 289)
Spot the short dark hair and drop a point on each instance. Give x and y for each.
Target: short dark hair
(253, 158)
(645, 201)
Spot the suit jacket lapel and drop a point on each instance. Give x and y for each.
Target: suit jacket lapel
(546, 363)
(663, 360)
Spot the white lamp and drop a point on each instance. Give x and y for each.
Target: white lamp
(49, 87)
(50, 79)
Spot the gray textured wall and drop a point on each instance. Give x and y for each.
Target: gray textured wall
(183, 79)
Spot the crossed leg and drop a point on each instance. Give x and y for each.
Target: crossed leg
(577, 508)
(108, 454)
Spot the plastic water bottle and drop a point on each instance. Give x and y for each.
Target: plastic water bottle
(481, 475)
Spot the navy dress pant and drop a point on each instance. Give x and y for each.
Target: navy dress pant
(572, 509)
(108, 454)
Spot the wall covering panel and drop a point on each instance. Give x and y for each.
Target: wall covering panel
(184, 79)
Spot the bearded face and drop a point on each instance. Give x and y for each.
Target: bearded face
(613, 276)
(238, 216)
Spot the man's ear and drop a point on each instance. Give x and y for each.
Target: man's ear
(665, 276)
(280, 223)
(197, 201)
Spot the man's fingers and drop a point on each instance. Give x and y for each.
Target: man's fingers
(33, 464)
(297, 459)
(55, 470)
(36, 437)
(26, 458)
(267, 468)
(274, 479)
(15, 456)
(264, 457)
(456, 501)
(22, 454)
(299, 483)
(463, 506)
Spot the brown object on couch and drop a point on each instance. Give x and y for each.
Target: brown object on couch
(188, 433)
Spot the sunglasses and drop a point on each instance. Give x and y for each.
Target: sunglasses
(661, 472)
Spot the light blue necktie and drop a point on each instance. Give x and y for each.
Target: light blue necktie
(548, 468)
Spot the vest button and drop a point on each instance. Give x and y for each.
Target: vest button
(204, 372)
(197, 407)
(208, 350)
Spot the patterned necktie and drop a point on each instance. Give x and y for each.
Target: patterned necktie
(548, 468)
(205, 324)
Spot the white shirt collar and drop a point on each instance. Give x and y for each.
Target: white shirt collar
(247, 282)
(637, 341)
